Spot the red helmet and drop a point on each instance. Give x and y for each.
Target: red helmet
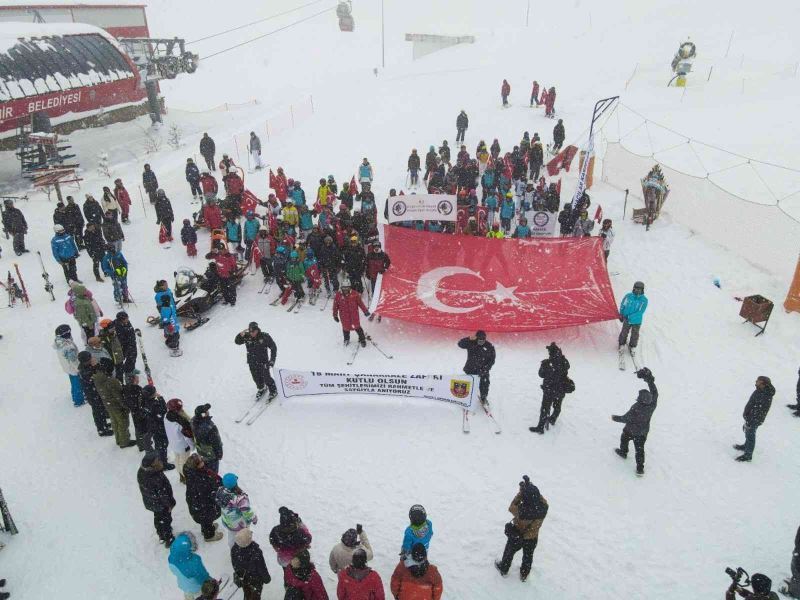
(175, 405)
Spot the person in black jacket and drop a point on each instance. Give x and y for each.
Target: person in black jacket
(462, 122)
(86, 370)
(249, 568)
(157, 495)
(535, 160)
(558, 135)
(755, 411)
(261, 355)
(132, 400)
(150, 183)
(480, 359)
(444, 152)
(96, 247)
(207, 149)
(355, 261)
(73, 221)
(164, 214)
(637, 420)
(201, 488)
(126, 335)
(14, 224)
(155, 408)
(414, 165)
(330, 261)
(92, 210)
(555, 385)
(206, 437)
(193, 177)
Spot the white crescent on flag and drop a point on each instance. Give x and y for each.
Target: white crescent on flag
(428, 286)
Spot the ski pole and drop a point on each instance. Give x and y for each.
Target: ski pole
(625, 205)
(141, 196)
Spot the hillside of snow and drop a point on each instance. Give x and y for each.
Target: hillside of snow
(338, 461)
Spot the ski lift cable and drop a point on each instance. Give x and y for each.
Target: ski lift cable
(286, 12)
(255, 39)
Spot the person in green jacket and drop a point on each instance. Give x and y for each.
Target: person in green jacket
(110, 390)
(85, 310)
(111, 343)
(295, 273)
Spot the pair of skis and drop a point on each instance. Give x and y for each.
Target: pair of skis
(465, 427)
(622, 362)
(48, 286)
(267, 286)
(255, 410)
(372, 342)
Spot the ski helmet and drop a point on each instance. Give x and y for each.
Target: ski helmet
(175, 405)
(639, 286)
(294, 254)
(105, 323)
(417, 515)
(281, 250)
(63, 331)
(230, 481)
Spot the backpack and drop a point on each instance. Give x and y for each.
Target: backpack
(569, 386)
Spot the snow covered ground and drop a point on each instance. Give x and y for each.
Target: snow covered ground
(339, 461)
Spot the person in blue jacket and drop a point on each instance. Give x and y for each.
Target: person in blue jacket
(487, 183)
(631, 311)
(507, 210)
(115, 266)
(298, 195)
(171, 325)
(65, 251)
(187, 566)
(161, 289)
(251, 227)
(522, 231)
(365, 172)
(233, 231)
(193, 177)
(306, 220)
(419, 531)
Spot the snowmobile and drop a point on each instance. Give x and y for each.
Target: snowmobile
(195, 295)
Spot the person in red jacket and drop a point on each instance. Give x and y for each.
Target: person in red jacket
(345, 311)
(234, 184)
(535, 93)
(377, 263)
(212, 215)
(302, 575)
(505, 91)
(123, 199)
(358, 581)
(415, 578)
(226, 268)
(209, 186)
(281, 186)
(550, 103)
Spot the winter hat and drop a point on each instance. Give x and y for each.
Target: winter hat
(761, 583)
(359, 559)
(418, 552)
(203, 408)
(230, 481)
(243, 538)
(122, 315)
(149, 458)
(148, 391)
(63, 331)
(480, 334)
(84, 357)
(253, 325)
(350, 538)
(186, 221)
(175, 405)
(287, 517)
(553, 349)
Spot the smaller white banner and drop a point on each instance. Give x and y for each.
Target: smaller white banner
(459, 390)
(542, 223)
(422, 207)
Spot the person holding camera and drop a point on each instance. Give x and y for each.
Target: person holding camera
(761, 584)
(637, 420)
(341, 555)
(529, 509)
(755, 411)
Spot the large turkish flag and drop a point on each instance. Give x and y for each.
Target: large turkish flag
(474, 283)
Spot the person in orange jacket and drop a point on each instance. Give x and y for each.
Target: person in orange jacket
(415, 578)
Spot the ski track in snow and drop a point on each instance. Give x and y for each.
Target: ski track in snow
(341, 461)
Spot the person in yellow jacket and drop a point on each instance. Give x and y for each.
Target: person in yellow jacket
(322, 193)
(290, 215)
(496, 232)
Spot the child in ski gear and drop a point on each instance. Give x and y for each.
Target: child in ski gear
(264, 245)
(187, 566)
(377, 263)
(529, 509)
(755, 412)
(358, 581)
(419, 530)
(607, 233)
(295, 274)
(261, 355)
(251, 228)
(206, 437)
(226, 269)
(346, 305)
(249, 567)
(631, 313)
(302, 575)
(550, 102)
(164, 214)
(123, 199)
(414, 577)
(189, 238)
(172, 328)
(157, 496)
(522, 231)
(68, 357)
(193, 178)
(254, 147)
(507, 209)
(342, 553)
(235, 507)
(289, 537)
(365, 173)
(535, 93)
(115, 267)
(583, 226)
(298, 195)
(495, 232)
(637, 420)
(480, 359)
(505, 91)
(413, 167)
(556, 383)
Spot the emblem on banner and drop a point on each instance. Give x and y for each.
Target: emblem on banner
(445, 207)
(459, 388)
(295, 381)
(541, 219)
(399, 208)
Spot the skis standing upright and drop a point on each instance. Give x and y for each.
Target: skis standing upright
(144, 357)
(25, 297)
(48, 286)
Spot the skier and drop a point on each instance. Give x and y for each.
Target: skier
(254, 148)
(505, 91)
(346, 305)
(187, 566)
(555, 383)
(419, 530)
(414, 166)
(755, 411)
(507, 209)
(431, 160)
(115, 267)
(207, 150)
(206, 437)
(583, 226)
(235, 507)
(157, 495)
(110, 204)
(110, 391)
(377, 264)
(86, 370)
(414, 577)
(210, 187)
(480, 359)
(495, 232)
(365, 172)
(535, 93)
(261, 355)
(796, 407)
(354, 260)
(358, 581)
(637, 420)
(264, 245)
(14, 224)
(342, 553)
(522, 231)
(529, 509)
(68, 357)
(189, 238)
(444, 153)
(322, 193)
(550, 102)
(226, 165)
(150, 183)
(301, 574)
(249, 567)
(171, 326)
(226, 269)
(558, 136)
(289, 537)
(164, 214)
(631, 312)
(123, 199)
(193, 177)
(250, 233)
(298, 195)
(329, 263)
(65, 251)
(462, 123)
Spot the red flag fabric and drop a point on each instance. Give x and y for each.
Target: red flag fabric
(272, 181)
(248, 202)
(562, 160)
(475, 283)
(353, 189)
(163, 238)
(255, 255)
(598, 214)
